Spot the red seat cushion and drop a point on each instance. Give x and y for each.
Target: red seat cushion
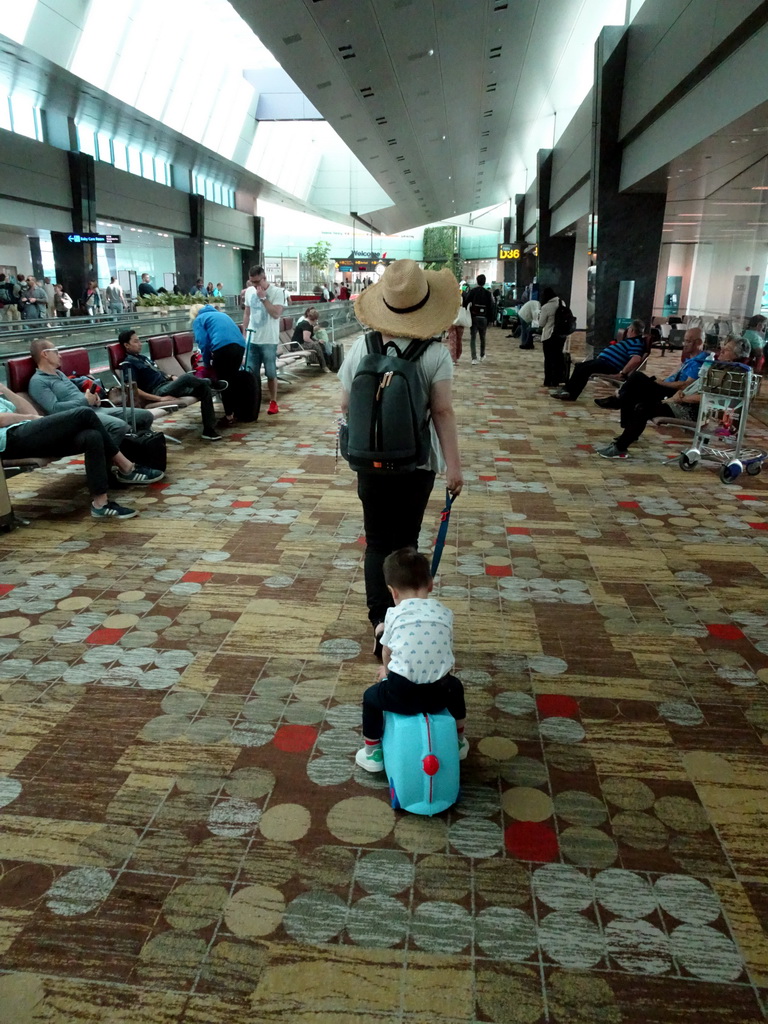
(116, 354)
(75, 362)
(183, 342)
(160, 346)
(19, 372)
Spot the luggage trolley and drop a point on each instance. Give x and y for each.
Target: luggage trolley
(726, 394)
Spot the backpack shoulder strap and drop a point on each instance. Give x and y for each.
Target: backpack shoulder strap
(374, 343)
(416, 349)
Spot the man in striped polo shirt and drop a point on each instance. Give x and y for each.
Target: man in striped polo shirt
(618, 360)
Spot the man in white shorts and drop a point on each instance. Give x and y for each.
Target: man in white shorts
(264, 304)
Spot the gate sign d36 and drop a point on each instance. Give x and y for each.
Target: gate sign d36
(510, 251)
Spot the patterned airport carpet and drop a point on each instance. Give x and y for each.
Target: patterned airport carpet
(184, 836)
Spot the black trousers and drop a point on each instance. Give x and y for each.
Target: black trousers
(642, 399)
(393, 510)
(479, 326)
(583, 371)
(79, 431)
(225, 363)
(188, 384)
(553, 361)
(398, 694)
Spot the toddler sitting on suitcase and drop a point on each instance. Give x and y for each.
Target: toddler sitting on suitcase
(417, 658)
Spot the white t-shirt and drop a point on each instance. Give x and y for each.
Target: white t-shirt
(263, 329)
(435, 365)
(419, 632)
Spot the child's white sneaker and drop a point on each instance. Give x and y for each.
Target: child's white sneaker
(371, 758)
(463, 747)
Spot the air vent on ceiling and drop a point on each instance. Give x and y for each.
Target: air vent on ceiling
(412, 181)
(497, 6)
(485, 134)
(381, 120)
(407, 170)
(364, 139)
(484, 149)
(491, 87)
(367, 92)
(487, 113)
(347, 53)
(495, 52)
(482, 161)
(416, 191)
(374, 157)
(391, 142)
(344, 117)
(292, 39)
(323, 85)
(399, 4)
(401, 158)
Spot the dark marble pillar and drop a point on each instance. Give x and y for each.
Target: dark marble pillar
(36, 257)
(525, 267)
(189, 251)
(254, 257)
(75, 263)
(628, 226)
(555, 259)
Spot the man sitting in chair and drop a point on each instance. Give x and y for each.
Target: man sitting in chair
(55, 392)
(618, 360)
(682, 401)
(640, 388)
(152, 384)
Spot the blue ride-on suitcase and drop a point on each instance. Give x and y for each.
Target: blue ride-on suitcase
(421, 759)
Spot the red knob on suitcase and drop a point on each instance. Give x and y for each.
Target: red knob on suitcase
(430, 764)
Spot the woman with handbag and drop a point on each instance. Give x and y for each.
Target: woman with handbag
(455, 332)
(62, 302)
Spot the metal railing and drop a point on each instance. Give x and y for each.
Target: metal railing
(95, 333)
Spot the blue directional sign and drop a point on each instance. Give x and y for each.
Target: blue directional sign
(95, 239)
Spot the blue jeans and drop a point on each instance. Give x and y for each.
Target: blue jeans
(256, 355)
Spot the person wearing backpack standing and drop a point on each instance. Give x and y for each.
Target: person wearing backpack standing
(480, 303)
(406, 311)
(555, 321)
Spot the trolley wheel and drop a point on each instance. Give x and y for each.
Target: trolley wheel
(686, 463)
(395, 803)
(730, 472)
(754, 468)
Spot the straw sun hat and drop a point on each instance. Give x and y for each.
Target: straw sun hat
(409, 302)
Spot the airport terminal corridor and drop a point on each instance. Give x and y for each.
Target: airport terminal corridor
(184, 836)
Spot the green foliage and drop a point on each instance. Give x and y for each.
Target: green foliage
(440, 244)
(317, 255)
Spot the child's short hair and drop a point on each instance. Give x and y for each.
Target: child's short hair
(407, 569)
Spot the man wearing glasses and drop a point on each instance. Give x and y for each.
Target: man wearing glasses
(55, 392)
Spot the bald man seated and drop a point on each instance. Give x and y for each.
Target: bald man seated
(640, 388)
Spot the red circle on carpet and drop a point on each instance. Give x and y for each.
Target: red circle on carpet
(295, 738)
(554, 705)
(530, 840)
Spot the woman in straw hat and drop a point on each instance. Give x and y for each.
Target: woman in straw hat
(406, 303)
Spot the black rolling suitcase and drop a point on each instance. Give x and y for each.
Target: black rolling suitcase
(146, 447)
(337, 356)
(246, 396)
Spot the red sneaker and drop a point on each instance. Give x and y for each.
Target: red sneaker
(272, 409)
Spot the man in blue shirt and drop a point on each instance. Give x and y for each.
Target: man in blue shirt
(679, 399)
(618, 360)
(641, 388)
(152, 383)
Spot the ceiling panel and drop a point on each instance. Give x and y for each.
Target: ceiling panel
(499, 83)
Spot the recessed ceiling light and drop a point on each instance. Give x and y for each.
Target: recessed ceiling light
(430, 53)
(760, 188)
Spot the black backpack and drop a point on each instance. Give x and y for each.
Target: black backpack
(7, 296)
(565, 321)
(387, 429)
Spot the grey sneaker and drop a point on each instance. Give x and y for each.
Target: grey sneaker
(113, 511)
(612, 452)
(463, 747)
(140, 475)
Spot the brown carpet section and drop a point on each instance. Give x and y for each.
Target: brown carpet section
(184, 836)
